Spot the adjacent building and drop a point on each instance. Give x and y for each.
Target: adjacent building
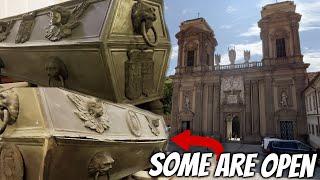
(312, 101)
(244, 101)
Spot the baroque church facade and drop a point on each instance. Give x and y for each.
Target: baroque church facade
(244, 101)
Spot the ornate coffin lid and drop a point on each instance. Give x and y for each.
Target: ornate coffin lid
(52, 112)
(90, 42)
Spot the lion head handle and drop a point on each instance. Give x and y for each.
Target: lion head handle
(143, 16)
(9, 108)
(100, 165)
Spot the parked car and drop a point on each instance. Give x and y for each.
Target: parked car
(291, 147)
(265, 142)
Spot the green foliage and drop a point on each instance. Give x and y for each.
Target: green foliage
(167, 96)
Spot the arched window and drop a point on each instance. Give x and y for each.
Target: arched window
(281, 47)
(190, 58)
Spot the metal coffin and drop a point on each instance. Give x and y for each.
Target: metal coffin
(117, 50)
(56, 134)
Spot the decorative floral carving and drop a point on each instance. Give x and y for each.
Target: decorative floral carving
(154, 124)
(91, 111)
(5, 28)
(11, 162)
(134, 123)
(26, 27)
(63, 21)
(100, 165)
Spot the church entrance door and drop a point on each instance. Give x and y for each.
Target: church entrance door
(233, 128)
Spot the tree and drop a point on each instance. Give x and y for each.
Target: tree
(167, 96)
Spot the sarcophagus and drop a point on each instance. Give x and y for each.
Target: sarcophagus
(50, 134)
(116, 50)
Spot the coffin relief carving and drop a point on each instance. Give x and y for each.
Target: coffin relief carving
(134, 123)
(64, 20)
(26, 27)
(11, 162)
(9, 103)
(100, 165)
(92, 112)
(154, 125)
(5, 28)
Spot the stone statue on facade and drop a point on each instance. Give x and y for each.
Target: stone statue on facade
(232, 55)
(217, 58)
(247, 56)
(187, 103)
(284, 100)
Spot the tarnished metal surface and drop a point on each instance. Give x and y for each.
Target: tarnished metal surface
(59, 136)
(117, 50)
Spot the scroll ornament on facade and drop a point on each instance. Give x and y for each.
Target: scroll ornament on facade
(64, 20)
(91, 112)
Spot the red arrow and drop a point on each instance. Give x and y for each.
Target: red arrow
(185, 140)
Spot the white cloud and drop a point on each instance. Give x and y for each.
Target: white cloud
(312, 57)
(226, 26)
(174, 53)
(173, 60)
(309, 9)
(255, 49)
(230, 9)
(310, 14)
(254, 30)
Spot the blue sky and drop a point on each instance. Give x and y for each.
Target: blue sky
(235, 24)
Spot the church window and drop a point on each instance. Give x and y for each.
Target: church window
(281, 47)
(190, 58)
(208, 59)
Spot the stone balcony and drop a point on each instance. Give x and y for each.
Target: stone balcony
(294, 60)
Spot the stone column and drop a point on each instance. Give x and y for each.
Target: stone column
(296, 38)
(216, 109)
(265, 43)
(210, 109)
(197, 123)
(301, 125)
(248, 119)
(180, 56)
(175, 109)
(271, 130)
(255, 108)
(205, 101)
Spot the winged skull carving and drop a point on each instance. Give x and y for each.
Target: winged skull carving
(91, 111)
(63, 21)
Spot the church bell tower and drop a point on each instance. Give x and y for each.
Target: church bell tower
(280, 34)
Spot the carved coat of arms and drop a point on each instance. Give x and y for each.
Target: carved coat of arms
(91, 112)
(11, 163)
